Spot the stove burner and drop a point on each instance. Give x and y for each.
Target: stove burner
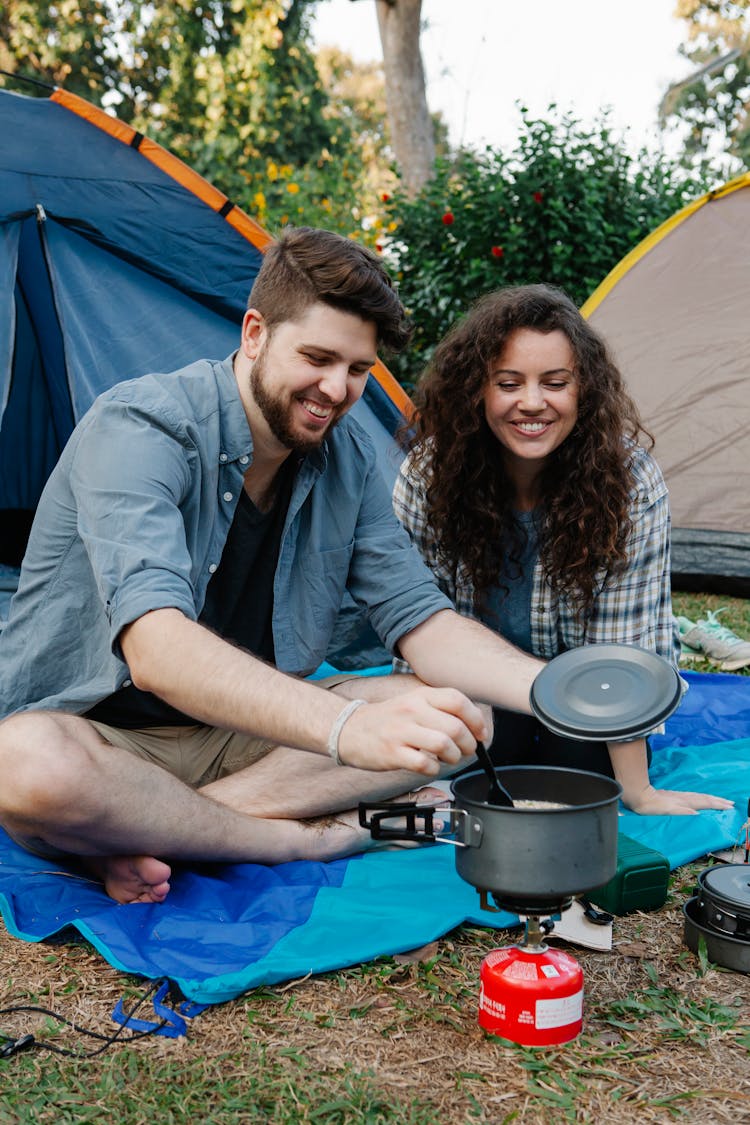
(529, 907)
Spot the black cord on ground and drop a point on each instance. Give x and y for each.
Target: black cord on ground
(25, 1042)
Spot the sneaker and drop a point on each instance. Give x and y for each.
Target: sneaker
(714, 640)
(688, 653)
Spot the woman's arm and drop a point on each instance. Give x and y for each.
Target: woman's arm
(636, 608)
(630, 765)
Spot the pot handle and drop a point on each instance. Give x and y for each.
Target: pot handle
(465, 830)
(410, 811)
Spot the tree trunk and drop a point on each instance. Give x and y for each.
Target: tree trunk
(409, 119)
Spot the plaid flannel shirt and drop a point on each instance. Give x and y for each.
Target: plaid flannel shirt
(635, 607)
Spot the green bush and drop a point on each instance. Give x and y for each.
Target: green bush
(563, 207)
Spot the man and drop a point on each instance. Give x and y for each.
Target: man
(184, 573)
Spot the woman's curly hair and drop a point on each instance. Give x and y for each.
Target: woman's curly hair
(586, 483)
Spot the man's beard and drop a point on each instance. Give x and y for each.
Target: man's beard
(277, 413)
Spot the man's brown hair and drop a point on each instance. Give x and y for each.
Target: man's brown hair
(306, 265)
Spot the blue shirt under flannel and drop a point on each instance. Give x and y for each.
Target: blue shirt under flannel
(635, 607)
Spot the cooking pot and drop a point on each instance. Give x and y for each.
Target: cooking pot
(719, 914)
(724, 899)
(531, 860)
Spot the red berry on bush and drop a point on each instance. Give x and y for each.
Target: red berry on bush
(497, 251)
(448, 218)
(385, 196)
(538, 196)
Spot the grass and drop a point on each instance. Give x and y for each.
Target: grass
(396, 1041)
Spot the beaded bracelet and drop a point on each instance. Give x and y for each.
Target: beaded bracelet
(332, 745)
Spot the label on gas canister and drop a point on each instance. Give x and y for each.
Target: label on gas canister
(559, 1012)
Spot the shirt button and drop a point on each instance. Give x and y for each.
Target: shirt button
(227, 495)
(244, 460)
(222, 456)
(127, 683)
(212, 568)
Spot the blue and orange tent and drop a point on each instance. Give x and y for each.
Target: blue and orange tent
(116, 259)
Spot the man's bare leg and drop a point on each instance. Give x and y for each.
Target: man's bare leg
(65, 788)
(295, 784)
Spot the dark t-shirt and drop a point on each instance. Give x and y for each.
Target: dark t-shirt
(239, 604)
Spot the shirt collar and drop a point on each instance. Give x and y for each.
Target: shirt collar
(236, 436)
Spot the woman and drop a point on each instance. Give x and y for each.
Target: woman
(540, 514)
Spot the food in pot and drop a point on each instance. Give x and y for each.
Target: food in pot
(541, 805)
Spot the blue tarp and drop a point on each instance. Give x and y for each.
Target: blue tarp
(226, 929)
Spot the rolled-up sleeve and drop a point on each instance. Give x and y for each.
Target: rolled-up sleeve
(635, 607)
(128, 480)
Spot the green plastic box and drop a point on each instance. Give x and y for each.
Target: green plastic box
(640, 882)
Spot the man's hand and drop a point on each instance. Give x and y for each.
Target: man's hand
(416, 731)
(673, 802)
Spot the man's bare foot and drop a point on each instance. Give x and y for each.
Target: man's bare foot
(132, 878)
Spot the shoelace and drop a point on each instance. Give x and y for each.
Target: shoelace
(721, 632)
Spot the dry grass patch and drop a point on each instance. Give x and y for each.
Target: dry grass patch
(665, 1037)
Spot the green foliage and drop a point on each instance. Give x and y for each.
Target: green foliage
(713, 101)
(563, 207)
(196, 69)
(230, 86)
(255, 1086)
(676, 1015)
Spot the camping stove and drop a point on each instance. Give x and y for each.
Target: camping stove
(529, 993)
(532, 837)
(558, 840)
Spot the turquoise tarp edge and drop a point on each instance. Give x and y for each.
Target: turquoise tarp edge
(340, 923)
(713, 768)
(400, 874)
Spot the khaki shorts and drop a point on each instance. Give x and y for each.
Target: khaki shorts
(196, 754)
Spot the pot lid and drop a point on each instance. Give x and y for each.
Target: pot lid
(605, 692)
(729, 882)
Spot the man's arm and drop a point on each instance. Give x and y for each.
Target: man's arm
(197, 672)
(448, 649)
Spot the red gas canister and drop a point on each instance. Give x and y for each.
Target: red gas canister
(532, 998)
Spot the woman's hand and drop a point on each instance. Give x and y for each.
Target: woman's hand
(672, 802)
(629, 763)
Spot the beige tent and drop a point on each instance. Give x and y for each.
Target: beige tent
(675, 313)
